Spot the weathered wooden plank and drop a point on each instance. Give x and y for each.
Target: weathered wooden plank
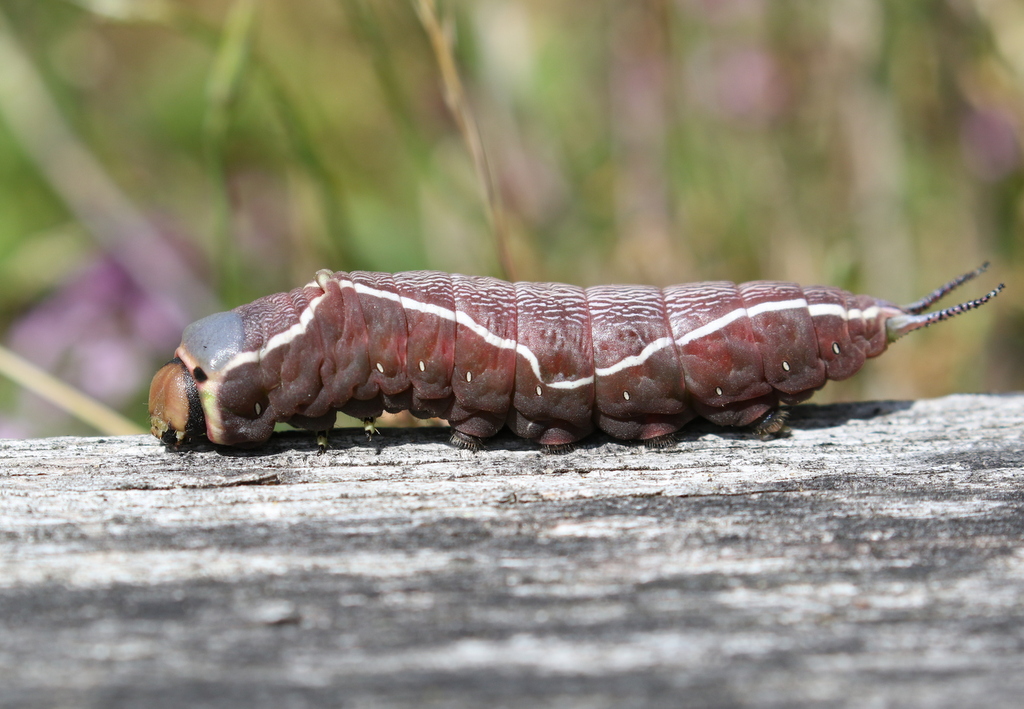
(876, 557)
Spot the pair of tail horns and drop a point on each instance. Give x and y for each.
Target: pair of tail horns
(914, 319)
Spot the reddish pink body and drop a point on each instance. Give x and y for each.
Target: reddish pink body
(551, 361)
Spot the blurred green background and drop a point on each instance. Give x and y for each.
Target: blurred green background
(160, 160)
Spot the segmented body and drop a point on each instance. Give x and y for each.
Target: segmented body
(551, 361)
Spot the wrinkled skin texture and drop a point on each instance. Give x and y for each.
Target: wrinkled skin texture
(551, 361)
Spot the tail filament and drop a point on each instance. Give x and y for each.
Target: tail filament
(914, 317)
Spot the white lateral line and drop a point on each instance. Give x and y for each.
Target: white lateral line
(494, 340)
(299, 328)
(634, 360)
(713, 326)
(446, 314)
(840, 312)
(278, 340)
(463, 319)
(774, 306)
(239, 359)
(830, 309)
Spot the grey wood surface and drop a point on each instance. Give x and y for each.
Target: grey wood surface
(874, 558)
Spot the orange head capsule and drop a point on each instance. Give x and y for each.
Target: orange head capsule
(175, 412)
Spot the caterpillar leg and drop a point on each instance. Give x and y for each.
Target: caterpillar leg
(466, 441)
(321, 442)
(661, 442)
(370, 428)
(320, 425)
(557, 448)
(772, 425)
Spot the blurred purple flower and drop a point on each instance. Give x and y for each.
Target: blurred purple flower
(748, 85)
(100, 332)
(743, 84)
(13, 427)
(990, 143)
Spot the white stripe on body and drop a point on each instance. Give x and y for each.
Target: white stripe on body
(278, 340)
(299, 328)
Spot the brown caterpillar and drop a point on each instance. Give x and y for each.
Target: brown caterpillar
(551, 361)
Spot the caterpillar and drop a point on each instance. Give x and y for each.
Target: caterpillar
(551, 361)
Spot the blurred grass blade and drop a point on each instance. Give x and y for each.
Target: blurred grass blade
(90, 194)
(85, 408)
(366, 26)
(130, 10)
(229, 66)
(304, 146)
(458, 104)
(222, 90)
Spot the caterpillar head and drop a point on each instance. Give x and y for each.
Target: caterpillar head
(211, 388)
(175, 411)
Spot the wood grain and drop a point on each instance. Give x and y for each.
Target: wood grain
(874, 558)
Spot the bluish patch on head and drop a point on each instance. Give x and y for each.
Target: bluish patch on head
(214, 340)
